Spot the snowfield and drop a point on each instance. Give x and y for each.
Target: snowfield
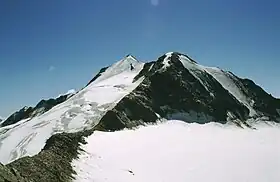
(180, 152)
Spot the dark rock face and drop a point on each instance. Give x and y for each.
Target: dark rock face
(17, 116)
(180, 54)
(145, 71)
(129, 112)
(264, 102)
(166, 92)
(29, 112)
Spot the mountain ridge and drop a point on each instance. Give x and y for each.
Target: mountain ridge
(40, 108)
(130, 93)
(191, 65)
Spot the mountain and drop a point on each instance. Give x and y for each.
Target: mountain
(176, 87)
(31, 112)
(81, 111)
(127, 94)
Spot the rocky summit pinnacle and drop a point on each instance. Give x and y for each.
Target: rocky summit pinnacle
(130, 56)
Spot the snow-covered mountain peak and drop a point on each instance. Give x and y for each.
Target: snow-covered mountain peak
(168, 53)
(130, 56)
(175, 57)
(212, 83)
(81, 111)
(127, 64)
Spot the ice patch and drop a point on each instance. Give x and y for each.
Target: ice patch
(166, 60)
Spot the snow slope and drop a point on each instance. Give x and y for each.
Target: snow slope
(84, 109)
(180, 152)
(120, 67)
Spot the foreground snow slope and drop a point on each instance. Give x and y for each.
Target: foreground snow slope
(84, 109)
(176, 151)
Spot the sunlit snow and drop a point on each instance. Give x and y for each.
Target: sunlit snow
(180, 152)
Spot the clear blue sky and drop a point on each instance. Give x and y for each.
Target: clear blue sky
(49, 47)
